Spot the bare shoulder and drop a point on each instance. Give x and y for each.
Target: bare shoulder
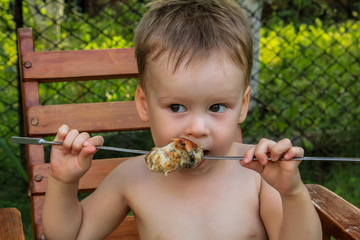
(131, 169)
(240, 148)
(267, 194)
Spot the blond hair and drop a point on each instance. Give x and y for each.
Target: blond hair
(193, 29)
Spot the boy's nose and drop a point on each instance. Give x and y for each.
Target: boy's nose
(198, 127)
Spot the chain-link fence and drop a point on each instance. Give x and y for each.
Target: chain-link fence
(304, 82)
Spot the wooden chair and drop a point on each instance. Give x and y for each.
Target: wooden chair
(43, 120)
(338, 217)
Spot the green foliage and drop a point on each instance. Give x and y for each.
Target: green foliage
(298, 12)
(308, 81)
(308, 85)
(11, 161)
(13, 184)
(8, 59)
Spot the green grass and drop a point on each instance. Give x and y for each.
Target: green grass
(339, 177)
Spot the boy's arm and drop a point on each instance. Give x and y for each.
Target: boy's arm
(106, 207)
(289, 217)
(300, 219)
(93, 218)
(285, 205)
(62, 212)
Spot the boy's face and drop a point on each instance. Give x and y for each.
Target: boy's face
(203, 102)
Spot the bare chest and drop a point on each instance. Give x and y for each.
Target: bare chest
(220, 210)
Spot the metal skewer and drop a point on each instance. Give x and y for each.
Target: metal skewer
(40, 141)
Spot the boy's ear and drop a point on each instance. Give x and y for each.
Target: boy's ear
(141, 104)
(245, 105)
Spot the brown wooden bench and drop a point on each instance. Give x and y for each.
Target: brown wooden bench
(10, 224)
(339, 218)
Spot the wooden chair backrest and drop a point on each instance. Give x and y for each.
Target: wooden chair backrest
(43, 120)
(339, 218)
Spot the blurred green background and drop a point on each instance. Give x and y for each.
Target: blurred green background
(305, 79)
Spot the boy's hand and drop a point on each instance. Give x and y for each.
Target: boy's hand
(70, 161)
(283, 175)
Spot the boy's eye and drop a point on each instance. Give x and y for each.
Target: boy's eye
(217, 108)
(177, 108)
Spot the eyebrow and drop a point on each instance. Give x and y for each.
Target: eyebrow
(174, 98)
(215, 99)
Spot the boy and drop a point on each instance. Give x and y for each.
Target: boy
(194, 59)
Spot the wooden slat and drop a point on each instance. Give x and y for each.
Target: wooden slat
(37, 203)
(339, 218)
(35, 155)
(30, 94)
(90, 117)
(127, 230)
(25, 43)
(89, 182)
(11, 224)
(79, 65)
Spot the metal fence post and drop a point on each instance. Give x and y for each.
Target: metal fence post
(19, 21)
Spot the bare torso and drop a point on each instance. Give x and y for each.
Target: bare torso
(221, 204)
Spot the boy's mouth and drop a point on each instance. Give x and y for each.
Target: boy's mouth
(202, 160)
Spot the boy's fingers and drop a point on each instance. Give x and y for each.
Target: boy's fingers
(262, 149)
(95, 141)
(249, 155)
(61, 133)
(85, 157)
(294, 152)
(78, 142)
(248, 161)
(254, 165)
(69, 139)
(280, 148)
(88, 151)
